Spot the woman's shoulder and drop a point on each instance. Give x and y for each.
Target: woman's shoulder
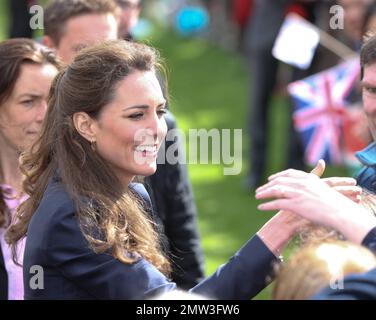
(57, 211)
(53, 222)
(56, 198)
(56, 206)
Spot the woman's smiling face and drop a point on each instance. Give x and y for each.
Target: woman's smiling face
(130, 129)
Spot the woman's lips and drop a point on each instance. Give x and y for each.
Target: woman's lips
(147, 150)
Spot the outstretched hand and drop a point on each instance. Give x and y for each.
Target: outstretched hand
(317, 200)
(307, 195)
(344, 185)
(277, 232)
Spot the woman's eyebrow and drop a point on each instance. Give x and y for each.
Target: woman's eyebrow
(137, 107)
(32, 95)
(144, 106)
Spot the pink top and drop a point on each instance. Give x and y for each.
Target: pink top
(15, 275)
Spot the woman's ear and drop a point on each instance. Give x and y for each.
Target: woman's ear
(85, 125)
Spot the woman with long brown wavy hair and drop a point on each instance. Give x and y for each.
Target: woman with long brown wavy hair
(27, 70)
(88, 232)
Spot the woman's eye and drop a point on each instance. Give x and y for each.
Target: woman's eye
(27, 103)
(161, 112)
(136, 116)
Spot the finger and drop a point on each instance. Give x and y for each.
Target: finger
(356, 199)
(276, 192)
(349, 192)
(339, 181)
(280, 204)
(277, 182)
(319, 169)
(297, 183)
(266, 186)
(288, 173)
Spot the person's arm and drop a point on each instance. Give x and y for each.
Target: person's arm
(252, 267)
(243, 276)
(311, 198)
(279, 230)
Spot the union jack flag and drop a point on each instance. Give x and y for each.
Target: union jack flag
(320, 103)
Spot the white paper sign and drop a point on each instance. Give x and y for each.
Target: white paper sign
(296, 42)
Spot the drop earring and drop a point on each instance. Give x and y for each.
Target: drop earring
(93, 145)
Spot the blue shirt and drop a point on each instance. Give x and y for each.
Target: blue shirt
(367, 176)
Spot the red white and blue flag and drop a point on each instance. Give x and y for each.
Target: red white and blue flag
(320, 103)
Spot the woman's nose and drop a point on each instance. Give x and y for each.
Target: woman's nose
(42, 109)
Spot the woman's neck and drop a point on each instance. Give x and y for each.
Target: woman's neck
(125, 179)
(11, 174)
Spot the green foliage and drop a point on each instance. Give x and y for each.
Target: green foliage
(4, 19)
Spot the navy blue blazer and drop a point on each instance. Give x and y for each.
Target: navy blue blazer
(72, 270)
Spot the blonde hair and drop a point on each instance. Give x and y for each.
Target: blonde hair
(316, 266)
(368, 201)
(314, 233)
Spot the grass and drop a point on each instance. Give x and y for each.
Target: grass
(209, 89)
(4, 19)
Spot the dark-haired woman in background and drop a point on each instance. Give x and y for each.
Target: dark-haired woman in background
(27, 70)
